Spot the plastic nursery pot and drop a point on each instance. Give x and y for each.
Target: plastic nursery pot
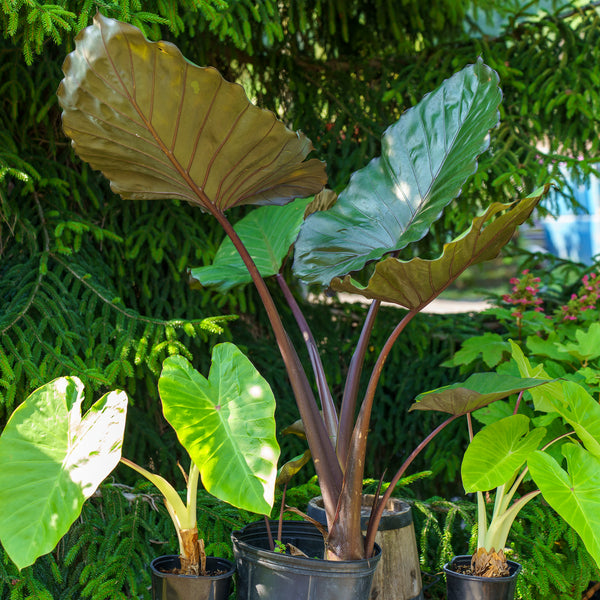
(266, 575)
(171, 586)
(470, 587)
(398, 576)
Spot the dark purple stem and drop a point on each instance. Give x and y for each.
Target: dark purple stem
(351, 387)
(518, 402)
(323, 451)
(329, 412)
(378, 512)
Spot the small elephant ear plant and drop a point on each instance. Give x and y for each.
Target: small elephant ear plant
(160, 127)
(562, 425)
(54, 458)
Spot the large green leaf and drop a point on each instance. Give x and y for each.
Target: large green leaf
(498, 451)
(574, 495)
(415, 283)
(479, 390)
(159, 126)
(267, 232)
(426, 158)
(52, 460)
(227, 425)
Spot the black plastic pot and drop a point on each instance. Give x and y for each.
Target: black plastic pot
(398, 576)
(266, 575)
(170, 586)
(470, 587)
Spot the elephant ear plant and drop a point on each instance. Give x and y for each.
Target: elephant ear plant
(54, 459)
(160, 127)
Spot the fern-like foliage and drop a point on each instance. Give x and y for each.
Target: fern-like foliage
(34, 23)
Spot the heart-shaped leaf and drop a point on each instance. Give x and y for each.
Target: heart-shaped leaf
(159, 126)
(267, 232)
(426, 157)
(227, 425)
(52, 460)
(498, 451)
(479, 390)
(416, 283)
(574, 495)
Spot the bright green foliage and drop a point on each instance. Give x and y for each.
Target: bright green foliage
(33, 23)
(226, 423)
(54, 459)
(267, 232)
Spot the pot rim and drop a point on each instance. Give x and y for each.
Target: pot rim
(175, 557)
(310, 563)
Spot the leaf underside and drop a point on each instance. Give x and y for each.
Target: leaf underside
(158, 126)
(415, 283)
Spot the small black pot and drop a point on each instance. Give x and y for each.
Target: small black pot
(170, 586)
(266, 575)
(470, 587)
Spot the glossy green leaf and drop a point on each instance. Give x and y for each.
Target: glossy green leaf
(415, 283)
(567, 398)
(158, 126)
(479, 390)
(52, 460)
(574, 494)
(227, 425)
(426, 157)
(497, 452)
(267, 232)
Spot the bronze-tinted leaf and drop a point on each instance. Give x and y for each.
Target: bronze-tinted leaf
(159, 126)
(415, 283)
(479, 390)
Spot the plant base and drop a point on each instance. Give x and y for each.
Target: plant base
(398, 576)
(264, 574)
(470, 587)
(171, 586)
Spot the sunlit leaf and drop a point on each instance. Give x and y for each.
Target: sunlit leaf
(227, 425)
(498, 451)
(159, 126)
(567, 398)
(52, 460)
(574, 494)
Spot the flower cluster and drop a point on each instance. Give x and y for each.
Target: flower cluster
(524, 294)
(586, 298)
